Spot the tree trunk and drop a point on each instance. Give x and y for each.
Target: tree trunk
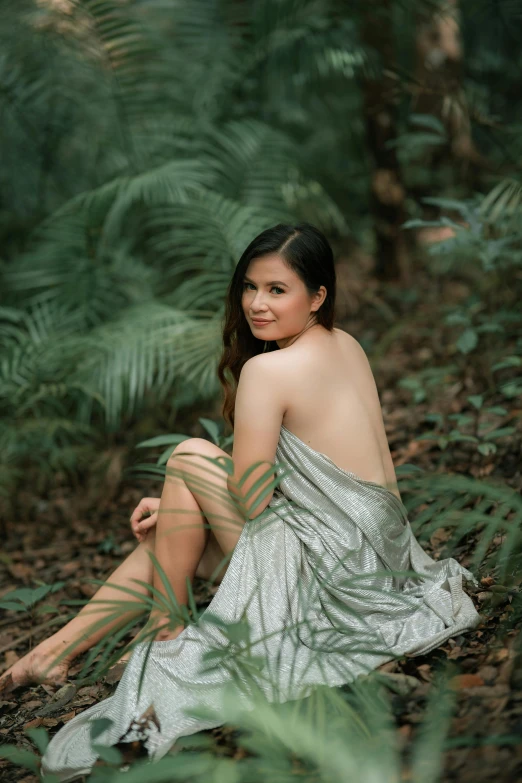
(439, 76)
(381, 95)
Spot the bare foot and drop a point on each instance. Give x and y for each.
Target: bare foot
(164, 626)
(36, 667)
(165, 634)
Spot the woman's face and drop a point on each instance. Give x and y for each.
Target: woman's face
(274, 293)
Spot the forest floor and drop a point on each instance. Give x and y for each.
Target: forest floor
(61, 542)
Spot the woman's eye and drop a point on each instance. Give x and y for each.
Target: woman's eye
(276, 287)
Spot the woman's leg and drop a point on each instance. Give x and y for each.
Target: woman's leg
(195, 510)
(183, 541)
(50, 660)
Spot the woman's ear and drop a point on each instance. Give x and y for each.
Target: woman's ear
(319, 298)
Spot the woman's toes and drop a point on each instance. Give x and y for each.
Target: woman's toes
(6, 684)
(35, 667)
(15, 677)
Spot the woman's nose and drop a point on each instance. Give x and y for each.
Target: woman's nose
(258, 301)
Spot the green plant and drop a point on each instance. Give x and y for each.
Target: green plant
(449, 426)
(485, 514)
(484, 250)
(426, 383)
(147, 470)
(25, 599)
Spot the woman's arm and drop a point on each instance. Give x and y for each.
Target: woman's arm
(258, 415)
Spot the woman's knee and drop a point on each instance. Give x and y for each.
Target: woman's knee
(196, 446)
(190, 456)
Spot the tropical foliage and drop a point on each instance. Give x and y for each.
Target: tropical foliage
(146, 144)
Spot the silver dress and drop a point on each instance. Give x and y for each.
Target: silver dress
(320, 581)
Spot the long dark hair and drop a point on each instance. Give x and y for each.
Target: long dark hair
(307, 252)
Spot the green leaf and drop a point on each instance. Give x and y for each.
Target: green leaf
(467, 341)
(457, 436)
(40, 592)
(162, 440)
(500, 433)
(12, 607)
(239, 632)
(437, 418)
(476, 400)
(428, 121)
(487, 448)
(40, 737)
(512, 388)
(406, 468)
(98, 726)
(57, 586)
(47, 609)
(108, 753)
(498, 409)
(164, 456)
(507, 361)
(461, 418)
(211, 427)
(20, 757)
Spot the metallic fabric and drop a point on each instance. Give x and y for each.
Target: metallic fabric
(332, 584)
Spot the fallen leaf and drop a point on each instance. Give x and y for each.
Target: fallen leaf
(390, 666)
(465, 681)
(403, 684)
(497, 656)
(21, 571)
(456, 652)
(62, 696)
(90, 690)
(115, 673)
(33, 724)
(439, 536)
(424, 671)
(488, 674)
(88, 590)
(70, 568)
(33, 704)
(50, 722)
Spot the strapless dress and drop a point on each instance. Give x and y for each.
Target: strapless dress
(329, 582)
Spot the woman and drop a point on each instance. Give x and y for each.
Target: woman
(324, 567)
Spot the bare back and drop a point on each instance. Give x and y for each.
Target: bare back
(335, 407)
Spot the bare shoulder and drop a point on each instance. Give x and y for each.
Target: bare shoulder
(274, 370)
(263, 368)
(261, 363)
(351, 343)
(269, 374)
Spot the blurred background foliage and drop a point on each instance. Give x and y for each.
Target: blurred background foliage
(146, 142)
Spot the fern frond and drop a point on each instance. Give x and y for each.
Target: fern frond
(144, 351)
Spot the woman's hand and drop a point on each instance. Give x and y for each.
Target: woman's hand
(141, 526)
